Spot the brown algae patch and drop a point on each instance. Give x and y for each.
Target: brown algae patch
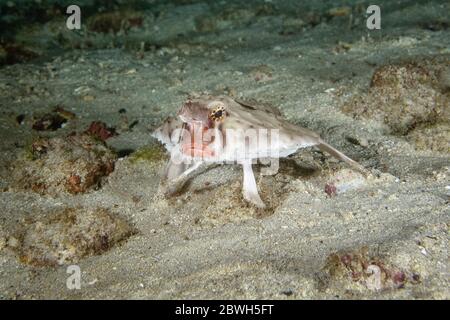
(149, 154)
(67, 235)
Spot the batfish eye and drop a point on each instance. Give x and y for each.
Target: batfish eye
(217, 113)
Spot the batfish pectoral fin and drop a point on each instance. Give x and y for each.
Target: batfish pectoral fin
(249, 188)
(174, 170)
(177, 174)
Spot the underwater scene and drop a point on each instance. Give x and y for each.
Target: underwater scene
(207, 149)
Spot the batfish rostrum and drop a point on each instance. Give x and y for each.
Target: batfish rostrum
(224, 130)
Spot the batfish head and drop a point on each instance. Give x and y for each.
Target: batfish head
(208, 118)
(202, 118)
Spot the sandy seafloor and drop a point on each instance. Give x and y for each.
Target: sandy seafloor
(207, 243)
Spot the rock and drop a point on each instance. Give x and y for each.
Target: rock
(66, 236)
(100, 130)
(115, 21)
(344, 180)
(404, 96)
(49, 122)
(361, 270)
(52, 121)
(54, 166)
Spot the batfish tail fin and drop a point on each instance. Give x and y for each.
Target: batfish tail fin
(323, 146)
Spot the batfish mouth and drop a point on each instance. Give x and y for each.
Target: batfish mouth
(193, 142)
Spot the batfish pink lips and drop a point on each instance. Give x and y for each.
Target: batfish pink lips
(193, 144)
